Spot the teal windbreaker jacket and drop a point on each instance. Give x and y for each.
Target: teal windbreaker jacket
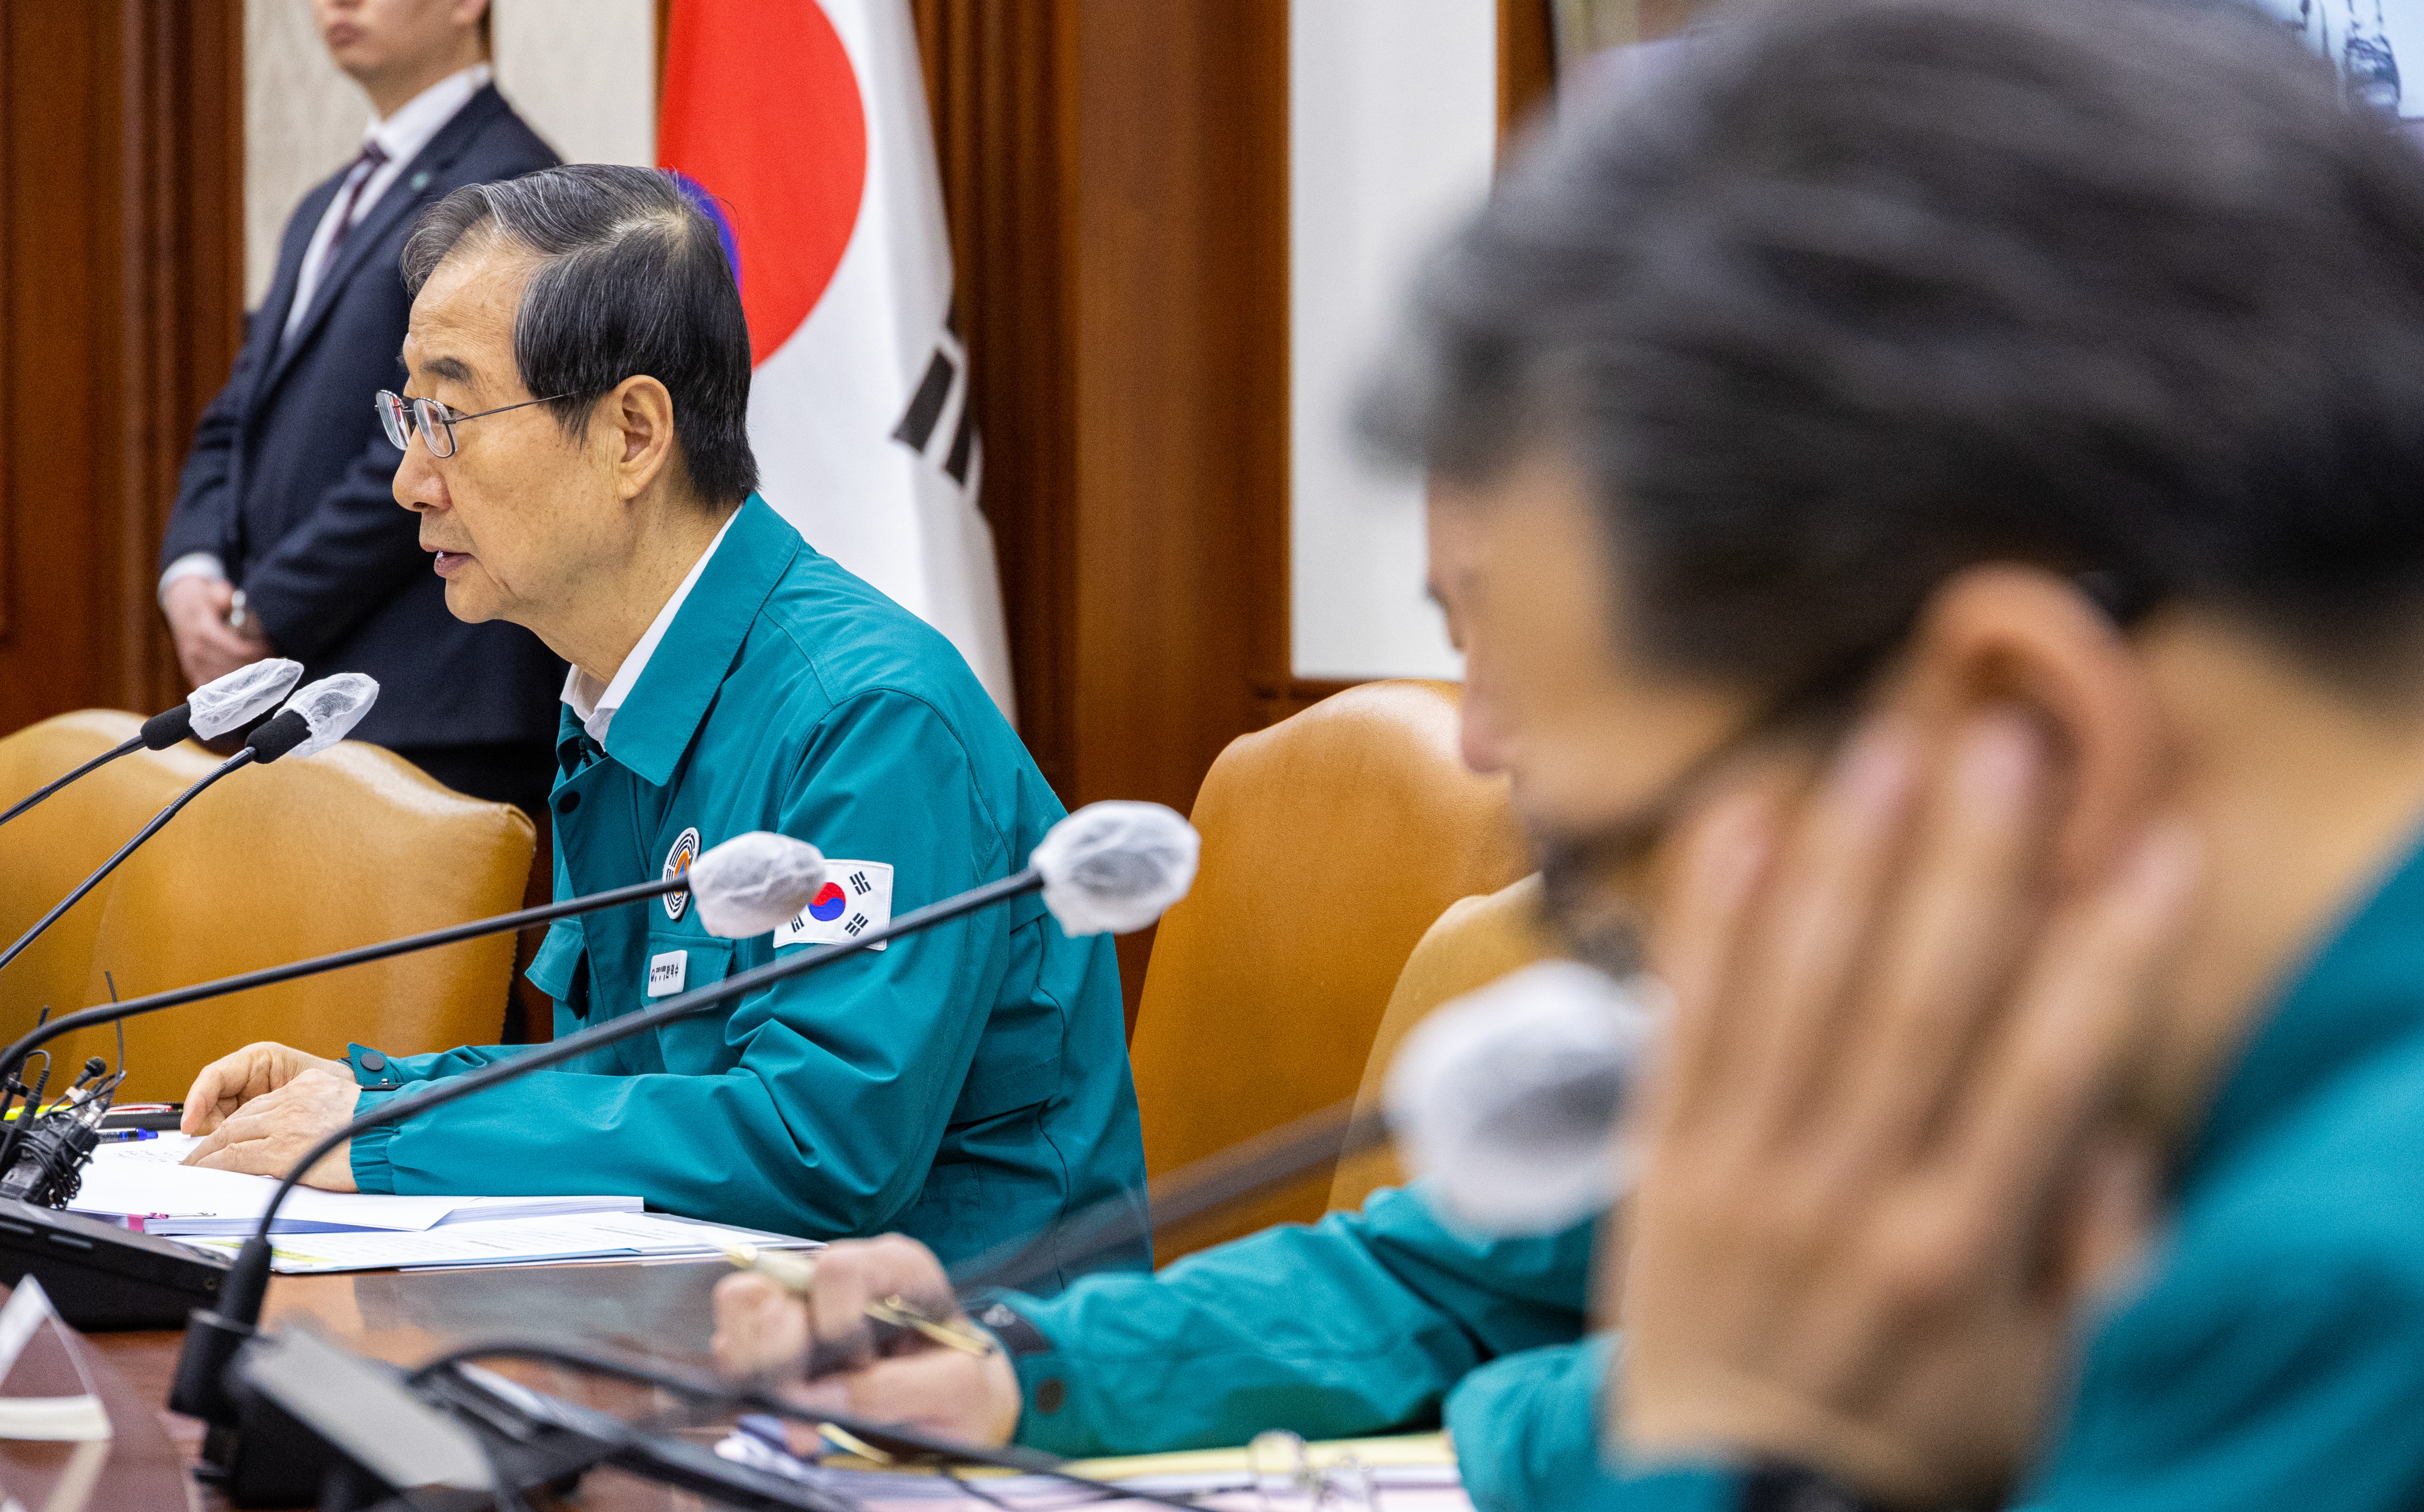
(967, 1085)
(1370, 1322)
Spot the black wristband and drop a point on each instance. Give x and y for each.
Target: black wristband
(1777, 1487)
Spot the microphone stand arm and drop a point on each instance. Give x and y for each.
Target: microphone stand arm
(212, 1338)
(132, 744)
(242, 758)
(14, 1058)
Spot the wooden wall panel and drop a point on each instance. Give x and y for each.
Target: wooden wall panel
(120, 157)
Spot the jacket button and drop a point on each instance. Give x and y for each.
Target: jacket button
(373, 1061)
(567, 802)
(1050, 1395)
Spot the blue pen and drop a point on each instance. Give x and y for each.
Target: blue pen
(127, 1136)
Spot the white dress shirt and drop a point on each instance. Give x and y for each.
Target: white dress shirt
(400, 136)
(597, 705)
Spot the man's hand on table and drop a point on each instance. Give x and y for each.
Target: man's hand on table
(822, 1351)
(263, 1106)
(1881, 1169)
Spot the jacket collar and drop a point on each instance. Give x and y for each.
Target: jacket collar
(2360, 998)
(410, 190)
(655, 727)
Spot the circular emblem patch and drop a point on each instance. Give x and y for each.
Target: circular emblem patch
(677, 862)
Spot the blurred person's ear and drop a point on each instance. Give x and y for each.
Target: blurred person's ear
(2021, 637)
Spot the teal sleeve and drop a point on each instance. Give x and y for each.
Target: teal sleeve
(813, 1106)
(380, 1077)
(1360, 1323)
(1527, 1427)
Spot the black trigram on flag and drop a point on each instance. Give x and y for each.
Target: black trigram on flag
(859, 885)
(946, 380)
(857, 922)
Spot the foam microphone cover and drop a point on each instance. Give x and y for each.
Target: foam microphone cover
(330, 707)
(1115, 866)
(755, 883)
(232, 702)
(1508, 1100)
(277, 737)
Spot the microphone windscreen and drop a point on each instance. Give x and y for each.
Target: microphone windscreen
(1507, 1099)
(232, 702)
(331, 707)
(755, 883)
(1115, 866)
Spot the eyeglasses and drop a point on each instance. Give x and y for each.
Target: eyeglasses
(401, 417)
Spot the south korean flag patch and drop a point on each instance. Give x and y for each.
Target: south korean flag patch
(856, 897)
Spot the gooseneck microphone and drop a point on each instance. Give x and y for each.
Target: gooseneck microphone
(1107, 866)
(312, 721)
(750, 885)
(221, 705)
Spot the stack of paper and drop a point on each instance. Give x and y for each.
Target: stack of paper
(510, 1242)
(144, 1186)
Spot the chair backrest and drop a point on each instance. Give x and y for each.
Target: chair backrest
(1331, 842)
(352, 846)
(49, 850)
(1474, 942)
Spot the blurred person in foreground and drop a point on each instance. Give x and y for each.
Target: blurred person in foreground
(285, 539)
(1932, 495)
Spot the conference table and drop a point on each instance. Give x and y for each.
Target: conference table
(659, 1308)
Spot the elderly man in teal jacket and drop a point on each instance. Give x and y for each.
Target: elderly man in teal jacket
(581, 465)
(1930, 493)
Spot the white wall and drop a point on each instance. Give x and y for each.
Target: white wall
(1393, 122)
(582, 72)
(302, 120)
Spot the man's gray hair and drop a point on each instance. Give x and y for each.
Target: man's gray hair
(631, 279)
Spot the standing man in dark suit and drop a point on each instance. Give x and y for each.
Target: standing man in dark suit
(285, 539)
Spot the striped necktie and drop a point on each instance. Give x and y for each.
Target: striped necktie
(365, 169)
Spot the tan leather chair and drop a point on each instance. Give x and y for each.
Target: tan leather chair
(298, 858)
(1331, 842)
(1474, 942)
(45, 852)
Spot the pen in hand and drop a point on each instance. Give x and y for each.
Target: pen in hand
(795, 1274)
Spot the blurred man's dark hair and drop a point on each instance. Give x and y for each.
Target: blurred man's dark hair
(1877, 289)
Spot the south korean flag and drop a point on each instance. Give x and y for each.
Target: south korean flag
(855, 899)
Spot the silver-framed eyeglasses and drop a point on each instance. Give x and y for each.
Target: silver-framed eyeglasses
(401, 417)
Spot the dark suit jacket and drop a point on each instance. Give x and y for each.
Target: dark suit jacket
(290, 476)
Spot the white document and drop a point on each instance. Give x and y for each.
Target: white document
(506, 1242)
(142, 1185)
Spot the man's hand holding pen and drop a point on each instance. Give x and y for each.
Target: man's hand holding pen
(878, 1335)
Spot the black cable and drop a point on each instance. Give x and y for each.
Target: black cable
(706, 1389)
(134, 744)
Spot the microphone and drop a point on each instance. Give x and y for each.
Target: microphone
(748, 885)
(314, 720)
(217, 707)
(1509, 1098)
(1108, 862)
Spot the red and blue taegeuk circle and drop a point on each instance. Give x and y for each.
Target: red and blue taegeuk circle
(827, 905)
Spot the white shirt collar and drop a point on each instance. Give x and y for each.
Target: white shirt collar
(402, 135)
(597, 706)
